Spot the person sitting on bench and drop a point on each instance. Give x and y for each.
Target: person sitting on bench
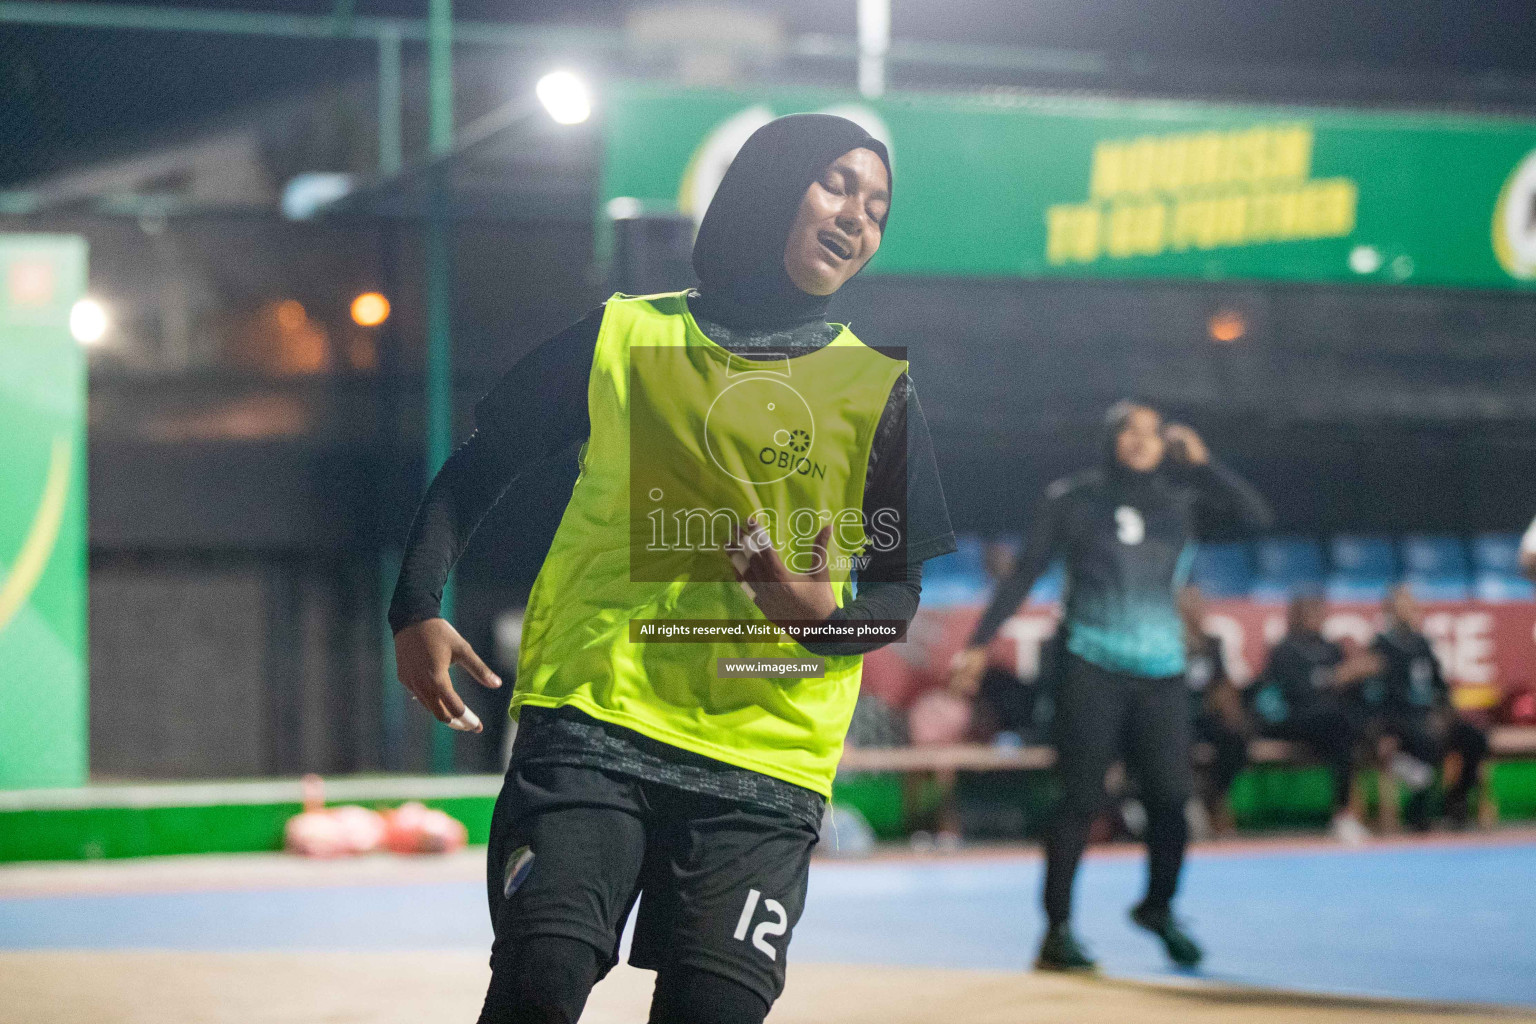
(1301, 696)
(1417, 713)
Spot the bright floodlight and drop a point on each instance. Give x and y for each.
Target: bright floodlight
(88, 321)
(565, 97)
(370, 309)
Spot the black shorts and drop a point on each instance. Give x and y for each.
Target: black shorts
(721, 883)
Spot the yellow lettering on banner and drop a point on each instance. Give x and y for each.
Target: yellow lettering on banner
(1338, 200)
(1118, 242)
(1108, 163)
(1181, 231)
(1204, 166)
(1266, 217)
(1326, 208)
(1292, 156)
(1090, 227)
(1308, 219)
(1058, 221)
(1216, 222)
(1231, 218)
(1230, 156)
(1289, 214)
(1200, 190)
(1245, 156)
(1139, 158)
(1136, 229)
(1148, 226)
(1072, 234)
(1172, 166)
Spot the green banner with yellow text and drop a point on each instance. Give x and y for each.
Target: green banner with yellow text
(1017, 185)
(43, 698)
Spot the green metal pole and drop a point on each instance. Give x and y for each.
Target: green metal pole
(440, 76)
(390, 100)
(392, 705)
(439, 295)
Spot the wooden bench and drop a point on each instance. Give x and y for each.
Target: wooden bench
(945, 761)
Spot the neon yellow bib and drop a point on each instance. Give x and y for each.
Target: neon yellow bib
(687, 440)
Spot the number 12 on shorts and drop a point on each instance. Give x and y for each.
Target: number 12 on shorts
(761, 933)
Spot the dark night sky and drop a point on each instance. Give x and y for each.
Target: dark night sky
(67, 95)
(1465, 34)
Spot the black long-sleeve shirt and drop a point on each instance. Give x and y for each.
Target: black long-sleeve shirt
(1126, 542)
(1298, 678)
(1411, 682)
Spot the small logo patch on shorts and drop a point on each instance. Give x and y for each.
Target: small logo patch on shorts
(518, 865)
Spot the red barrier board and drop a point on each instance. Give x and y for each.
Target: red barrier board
(1479, 645)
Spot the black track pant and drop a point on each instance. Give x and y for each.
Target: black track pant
(545, 979)
(1429, 740)
(1332, 735)
(1102, 717)
(1231, 753)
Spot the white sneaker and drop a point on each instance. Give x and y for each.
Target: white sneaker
(1412, 772)
(1348, 830)
(1198, 819)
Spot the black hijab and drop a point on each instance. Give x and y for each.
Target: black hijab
(739, 252)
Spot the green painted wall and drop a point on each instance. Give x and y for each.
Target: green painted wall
(43, 698)
(1262, 798)
(111, 832)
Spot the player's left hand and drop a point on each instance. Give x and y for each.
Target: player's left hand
(782, 594)
(1185, 446)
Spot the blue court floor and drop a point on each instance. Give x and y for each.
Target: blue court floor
(1445, 921)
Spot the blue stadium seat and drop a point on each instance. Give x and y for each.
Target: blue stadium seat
(958, 577)
(1496, 553)
(1364, 568)
(1496, 569)
(971, 552)
(1223, 570)
(1048, 588)
(1286, 566)
(1435, 568)
(1497, 588)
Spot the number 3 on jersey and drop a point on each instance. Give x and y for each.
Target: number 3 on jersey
(761, 933)
(1130, 527)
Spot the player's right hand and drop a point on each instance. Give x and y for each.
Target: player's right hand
(424, 651)
(966, 669)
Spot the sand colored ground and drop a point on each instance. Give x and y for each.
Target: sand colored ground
(445, 988)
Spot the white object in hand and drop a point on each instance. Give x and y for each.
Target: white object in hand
(739, 560)
(467, 722)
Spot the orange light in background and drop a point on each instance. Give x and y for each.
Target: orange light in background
(1227, 327)
(300, 344)
(290, 315)
(370, 309)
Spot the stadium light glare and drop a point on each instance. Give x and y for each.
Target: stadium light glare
(1227, 326)
(370, 309)
(565, 96)
(88, 321)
